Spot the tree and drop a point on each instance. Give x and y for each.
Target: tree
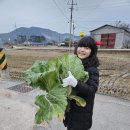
(38, 39)
(122, 25)
(66, 42)
(126, 45)
(21, 39)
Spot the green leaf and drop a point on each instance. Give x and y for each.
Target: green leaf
(43, 75)
(74, 64)
(48, 75)
(53, 103)
(79, 101)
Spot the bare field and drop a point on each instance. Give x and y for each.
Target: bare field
(20, 60)
(114, 68)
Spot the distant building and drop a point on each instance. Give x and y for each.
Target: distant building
(61, 44)
(111, 36)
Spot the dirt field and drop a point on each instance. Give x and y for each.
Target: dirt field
(114, 68)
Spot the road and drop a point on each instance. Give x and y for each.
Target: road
(110, 113)
(17, 112)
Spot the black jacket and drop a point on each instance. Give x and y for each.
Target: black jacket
(80, 118)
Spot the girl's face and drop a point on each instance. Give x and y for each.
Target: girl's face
(83, 52)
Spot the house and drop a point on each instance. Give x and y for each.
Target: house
(111, 36)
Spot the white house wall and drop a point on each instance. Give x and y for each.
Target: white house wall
(126, 38)
(108, 29)
(119, 39)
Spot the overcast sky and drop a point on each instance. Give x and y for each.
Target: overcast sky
(55, 14)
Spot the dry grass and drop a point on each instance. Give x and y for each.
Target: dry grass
(20, 60)
(114, 68)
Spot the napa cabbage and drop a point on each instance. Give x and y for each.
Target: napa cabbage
(47, 75)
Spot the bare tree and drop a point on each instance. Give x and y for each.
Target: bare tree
(126, 45)
(122, 25)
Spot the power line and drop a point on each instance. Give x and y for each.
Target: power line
(66, 1)
(101, 20)
(97, 6)
(60, 10)
(115, 3)
(105, 5)
(71, 19)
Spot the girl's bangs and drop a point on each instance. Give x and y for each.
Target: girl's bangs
(83, 44)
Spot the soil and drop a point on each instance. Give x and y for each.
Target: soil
(114, 67)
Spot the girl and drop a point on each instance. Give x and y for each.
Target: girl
(76, 117)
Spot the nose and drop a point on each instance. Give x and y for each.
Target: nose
(82, 48)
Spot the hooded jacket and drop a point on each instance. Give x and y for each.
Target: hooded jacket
(80, 118)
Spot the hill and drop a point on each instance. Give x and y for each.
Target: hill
(47, 33)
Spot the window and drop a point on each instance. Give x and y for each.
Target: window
(108, 40)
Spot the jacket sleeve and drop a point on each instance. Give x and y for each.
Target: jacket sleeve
(91, 86)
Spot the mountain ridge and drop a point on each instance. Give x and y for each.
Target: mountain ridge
(49, 34)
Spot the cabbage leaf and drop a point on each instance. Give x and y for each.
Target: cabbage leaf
(47, 75)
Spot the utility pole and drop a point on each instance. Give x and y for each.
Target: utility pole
(73, 32)
(59, 37)
(15, 26)
(71, 19)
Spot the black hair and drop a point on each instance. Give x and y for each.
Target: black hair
(88, 41)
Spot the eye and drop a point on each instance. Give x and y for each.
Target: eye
(86, 47)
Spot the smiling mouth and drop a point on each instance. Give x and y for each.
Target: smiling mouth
(81, 54)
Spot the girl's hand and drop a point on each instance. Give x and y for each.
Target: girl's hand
(70, 81)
